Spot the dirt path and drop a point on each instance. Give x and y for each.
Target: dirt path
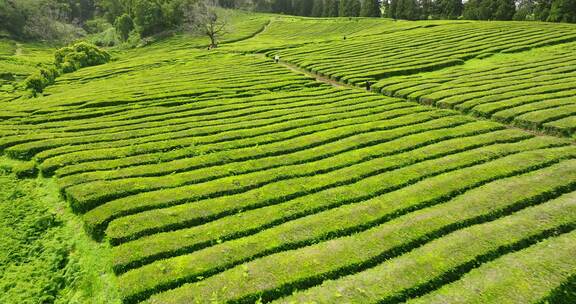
(326, 80)
(300, 70)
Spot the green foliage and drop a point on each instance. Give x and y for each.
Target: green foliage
(525, 11)
(124, 26)
(450, 9)
(7, 47)
(113, 9)
(527, 279)
(563, 294)
(213, 173)
(12, 18)
(544, 10)
(7, 76)
(96, 25)
(36, 82)
(445, 260)
(505, 10)
(35, 259)
(148, 17)
(371, 8)
(79, 55)
(45, 19)
(404, 9)
(563, 11)
(20, 60)
(228, 3)
(66, 60)
(489, 9)
(282, 6)
(532, 95)
(349, 8)
(302, 7)
(339, 260)
(44, 256)
(331, 8)
(107, 38)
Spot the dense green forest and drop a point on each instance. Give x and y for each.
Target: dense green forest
(117, 20)
(70, 19)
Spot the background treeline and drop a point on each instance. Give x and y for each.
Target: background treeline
(328, 8)
(44, 19)
(69, 19)
(54, 19)
(521, 10)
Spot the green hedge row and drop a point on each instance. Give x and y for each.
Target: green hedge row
(540, 271)
(445, 260)
(214, 143)
(249, 222)
(122, 138)
(353, 218)
(174, 162)
(362, 55)
(340, 257)
(154, 118)
(118, 188)
(170, 197)
(366, 160)
(198, 117)
(512, 89)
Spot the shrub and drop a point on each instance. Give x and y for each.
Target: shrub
(35, 82)
(106, 39)
(49, 74)
(78, 56)
(133, 40)
(41, 79)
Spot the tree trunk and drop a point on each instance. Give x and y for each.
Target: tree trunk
(213, 43)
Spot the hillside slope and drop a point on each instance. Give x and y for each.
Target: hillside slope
(221, 176)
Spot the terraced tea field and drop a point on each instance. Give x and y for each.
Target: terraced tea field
(18, 61)
(532, 94)
(508, 88)
(222, 177)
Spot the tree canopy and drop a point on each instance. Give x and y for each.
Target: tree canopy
(51, 19)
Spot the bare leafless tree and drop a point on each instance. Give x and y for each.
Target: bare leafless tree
(202, 17)
(214, 27)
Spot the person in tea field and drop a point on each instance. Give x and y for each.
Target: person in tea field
(277, 58)
(368, 85)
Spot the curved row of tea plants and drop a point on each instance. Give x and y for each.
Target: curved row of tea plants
(533, 90)
(362, 58)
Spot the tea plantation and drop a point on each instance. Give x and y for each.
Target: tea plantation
(220, 176)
